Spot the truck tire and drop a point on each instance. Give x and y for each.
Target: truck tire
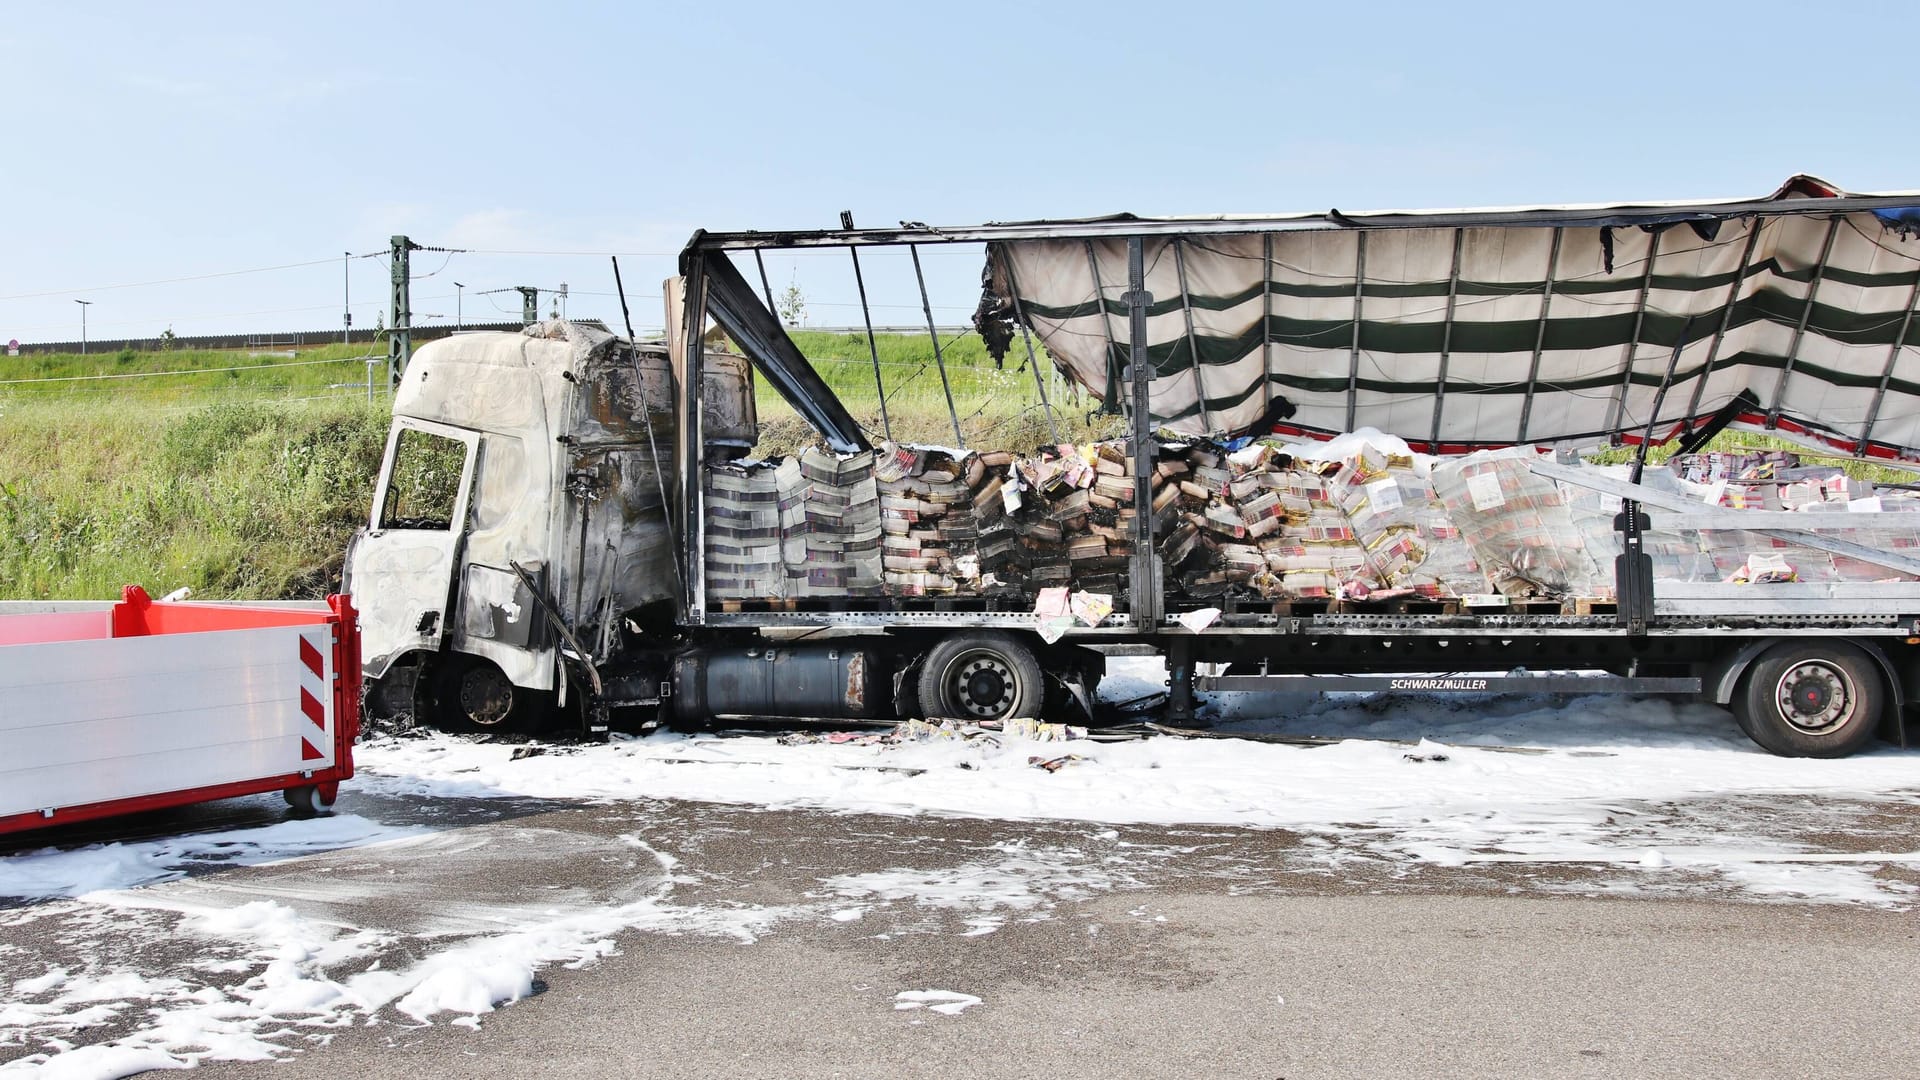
(469, 693)
(1820, 699)
(981, 676)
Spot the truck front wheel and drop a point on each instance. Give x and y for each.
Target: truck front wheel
(467, 693)
(981, 676)
(1811, 699)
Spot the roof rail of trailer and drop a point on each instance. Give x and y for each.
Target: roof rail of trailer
(1453, 329)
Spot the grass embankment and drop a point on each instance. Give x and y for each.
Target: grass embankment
(997, 407)
(244, 476)
(149, 379)
(252, 499)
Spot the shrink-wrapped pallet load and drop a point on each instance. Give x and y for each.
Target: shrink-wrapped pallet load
(830, 524)
(1519, 526)
(743, 534)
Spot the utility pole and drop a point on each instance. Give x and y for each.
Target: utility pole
(346, 300)
(84, 304)
(400, 344)
(459, 290)
(529, 304)
(563, 300)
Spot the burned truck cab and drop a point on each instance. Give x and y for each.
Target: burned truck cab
(521, 523)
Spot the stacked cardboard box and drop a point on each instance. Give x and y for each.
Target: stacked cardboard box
(1245, 521)
(743, 535)
(830, 525)
(926, 516)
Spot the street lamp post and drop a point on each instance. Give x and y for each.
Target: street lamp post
(346, 299)
(84, 304)
(458, 293)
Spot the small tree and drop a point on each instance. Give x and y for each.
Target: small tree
(166, 340)
(792, 304)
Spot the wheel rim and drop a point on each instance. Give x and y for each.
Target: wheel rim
(1816, 697)
(485, 696)
(984, 685)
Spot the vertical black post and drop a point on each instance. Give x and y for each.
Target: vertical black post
(766, 289)
(690, 439)
(1540, 334)
(1633, 567)
(933, 332)
(1116, 396)
(1359, 297)
(1800, 328)
(1144, 597)
(1020, 316)
(1180, 680)
(873, 347)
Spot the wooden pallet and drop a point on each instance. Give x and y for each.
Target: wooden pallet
(1534, 607)
(1400, 605)
(1301, 609)
(1592, 605)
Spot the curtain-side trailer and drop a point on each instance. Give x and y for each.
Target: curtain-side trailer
(550, 520)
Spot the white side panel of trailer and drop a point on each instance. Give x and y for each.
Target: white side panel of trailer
(86, 721)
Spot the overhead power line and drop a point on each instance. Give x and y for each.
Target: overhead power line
(176, 280)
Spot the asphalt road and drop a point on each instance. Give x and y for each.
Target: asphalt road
(1127, 951)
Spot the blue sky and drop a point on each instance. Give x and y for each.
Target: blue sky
(147, 142)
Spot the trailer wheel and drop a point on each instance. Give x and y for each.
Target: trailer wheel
(1810, 699)
(981, 676)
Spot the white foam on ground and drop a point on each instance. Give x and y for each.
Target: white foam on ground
(1444, 800)
(945, 1002)
(1017, 879)
(50, 872)
(300, 988)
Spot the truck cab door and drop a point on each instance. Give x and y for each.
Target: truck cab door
(401, 569)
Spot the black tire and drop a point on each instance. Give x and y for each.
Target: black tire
(469, 693)
(981, 676)
(1811, 699)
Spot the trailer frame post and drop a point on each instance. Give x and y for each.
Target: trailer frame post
(1116, 396)
(1617, 417)
(1633, 567)
(1800, 328)
(1026, 337)
(1726, 320)
(1446, 341)
(1540, 333)
(1266, 327)
(1193, 341)
(1886, 375)
(873, 347)
(1180, 680)
(1143, 598)
(766, 287)
(933, 332)
(688, 403)
(1359, 294)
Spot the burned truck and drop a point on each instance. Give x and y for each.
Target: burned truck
(1352, 462)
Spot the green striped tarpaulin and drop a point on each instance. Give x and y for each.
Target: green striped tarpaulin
(1504, 327)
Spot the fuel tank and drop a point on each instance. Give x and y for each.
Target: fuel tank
(832, 682)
